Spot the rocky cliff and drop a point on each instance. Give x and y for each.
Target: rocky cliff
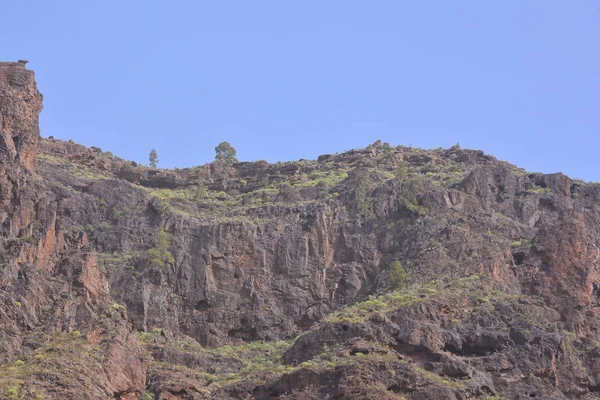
(379, 273)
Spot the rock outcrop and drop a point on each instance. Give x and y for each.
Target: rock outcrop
(51, 287)
(258, 280)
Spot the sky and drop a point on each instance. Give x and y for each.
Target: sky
(284, 80)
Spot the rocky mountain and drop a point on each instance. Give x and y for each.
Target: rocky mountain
(379, 273)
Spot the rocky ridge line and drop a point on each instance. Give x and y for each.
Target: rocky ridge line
(277, 284)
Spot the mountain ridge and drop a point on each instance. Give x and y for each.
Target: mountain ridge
(257, 280)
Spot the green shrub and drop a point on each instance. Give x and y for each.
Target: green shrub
(540, 190)
(20, 362)
(12, 392)
(160, 254)
(155, 258)
(520, 242)
(401, 169)
(397, 275)
(147, 396)
(415, 208)
(162, 206)
(230, 376)
(104, 225)
(200, 192)
(18, 304)
(29, 239)
(117, 307)
(364, 186)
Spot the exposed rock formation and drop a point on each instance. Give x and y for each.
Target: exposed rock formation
(502, 269)
(21, 105)
(50, 281)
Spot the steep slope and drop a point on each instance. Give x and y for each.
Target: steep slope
(50, 284)
(258, 280)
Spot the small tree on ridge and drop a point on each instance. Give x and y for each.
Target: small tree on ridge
(225, 152)
(153, 158)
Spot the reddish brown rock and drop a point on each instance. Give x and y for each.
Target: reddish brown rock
(20, 106)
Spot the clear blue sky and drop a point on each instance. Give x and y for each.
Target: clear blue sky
(284, 80)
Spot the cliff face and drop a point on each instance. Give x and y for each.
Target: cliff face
(275, 279)
(51, 285)
(20, 105)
